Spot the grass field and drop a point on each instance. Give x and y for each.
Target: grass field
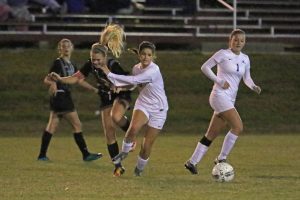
(266, 158)
(266, 166)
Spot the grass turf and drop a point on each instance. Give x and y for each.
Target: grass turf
(266, 167)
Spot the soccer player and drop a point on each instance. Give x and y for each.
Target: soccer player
(151, 106)
(61, 103)
(232, 66)
(113, 104)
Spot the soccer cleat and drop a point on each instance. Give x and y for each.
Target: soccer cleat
(137, 172)
(133, 146)
(216, 161)
(119, 171)
(118, 158)
(92, 156)
(44, 158)
(192, 168)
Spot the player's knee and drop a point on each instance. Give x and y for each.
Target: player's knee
(77, 126)
(116, 118)
(238, 129)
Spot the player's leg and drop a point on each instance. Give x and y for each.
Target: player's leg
(215, 127)
(118, 111)
(111, 140)
(73, 119)
(139, 119)
(120, 106)
(147, 144)
(47, 135)
(234, 121)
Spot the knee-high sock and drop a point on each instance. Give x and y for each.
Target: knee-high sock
(228, 144)
(141, 163)
(81, 144)
(198, 154)
(46, 138)
(200, 150)
(126, 146)
(113, 150)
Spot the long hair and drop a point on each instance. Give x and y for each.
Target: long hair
(113, 37)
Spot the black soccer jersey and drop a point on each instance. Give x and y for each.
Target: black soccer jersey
(104, 84)
(63, 68)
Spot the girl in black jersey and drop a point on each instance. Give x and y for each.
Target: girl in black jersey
(113, 104)
(61, 103)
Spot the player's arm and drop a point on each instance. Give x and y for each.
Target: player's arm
(206, 68)
(52, 85)
(122, 80)
(249, 81)
(75, 78)
(88, 86)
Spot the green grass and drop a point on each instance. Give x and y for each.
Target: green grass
(24, 98)
(266, 166)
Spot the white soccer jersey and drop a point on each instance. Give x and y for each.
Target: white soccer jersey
(231, 68)
(152, 96)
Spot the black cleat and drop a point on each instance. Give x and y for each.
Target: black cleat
(92, 156)
(119, 171)
(192, 168)
(216, 161)
(137, 172)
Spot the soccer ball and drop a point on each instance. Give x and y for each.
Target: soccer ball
(223, 172)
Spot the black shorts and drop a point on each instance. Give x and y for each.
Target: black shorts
(62, 102)
(108, 100)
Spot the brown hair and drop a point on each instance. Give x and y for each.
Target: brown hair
(113, 37)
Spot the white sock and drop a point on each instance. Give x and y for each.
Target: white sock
(228, 144)
(141, 163)
(126, 147)
(198, 153)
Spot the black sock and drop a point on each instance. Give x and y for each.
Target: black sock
(126, 125)
(46, 138)
(205, 141)
(113, 150)
(81, 144)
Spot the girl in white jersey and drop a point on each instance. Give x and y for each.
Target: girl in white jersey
(150, 108)
(232, 66)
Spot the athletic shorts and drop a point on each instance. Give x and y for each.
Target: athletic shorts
(62, 102)
(107, 100)
(220, 102)
(155, 119)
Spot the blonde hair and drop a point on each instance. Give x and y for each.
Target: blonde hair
(113, 37)
(99, 48)
(64, 40)
(236, 32)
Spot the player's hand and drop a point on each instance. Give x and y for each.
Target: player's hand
(105, 69)
(256, 89)
(117, 89)
(54, 76)
(226, 85)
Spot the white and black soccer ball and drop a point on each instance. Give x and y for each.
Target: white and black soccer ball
(223, 172)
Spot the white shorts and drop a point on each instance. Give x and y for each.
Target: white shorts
(155, 119)
(220, 102)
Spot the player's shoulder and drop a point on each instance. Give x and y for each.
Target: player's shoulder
(244, 56)
(221, 53)
(112, 62)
